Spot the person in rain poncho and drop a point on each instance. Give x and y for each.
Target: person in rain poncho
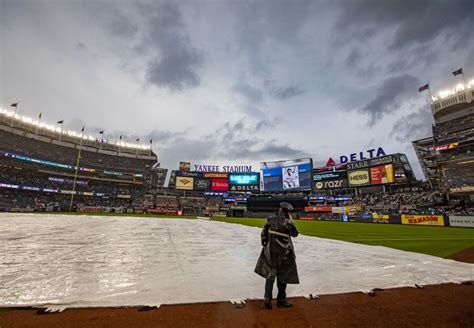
(277, 259)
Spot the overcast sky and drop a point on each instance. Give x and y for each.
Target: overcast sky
(237, 82)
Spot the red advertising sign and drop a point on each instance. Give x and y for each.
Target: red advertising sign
(446, 147)
(318, 209)
(381, 174)
(220, 185)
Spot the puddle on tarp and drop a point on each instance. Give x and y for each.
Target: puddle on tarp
(91, 261)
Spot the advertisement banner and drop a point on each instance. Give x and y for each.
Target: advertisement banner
(359, 178)
(334, 175)
(461, 221)
(382, 174)
(215, 175)
(338, 210)
(381, 218)
(220, 184)
(330, 184)
(202, 184)
(358, 165)
(244, 178)
(318, 209)
(184, 183)
(436, 220)
(381, 160)
(289, 175)
(244, 181)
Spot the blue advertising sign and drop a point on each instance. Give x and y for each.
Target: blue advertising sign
(244, 181)
(244, 178)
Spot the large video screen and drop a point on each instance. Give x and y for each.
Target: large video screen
(290, 175)
(244, 181)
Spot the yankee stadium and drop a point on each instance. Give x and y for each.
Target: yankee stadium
(236, 164)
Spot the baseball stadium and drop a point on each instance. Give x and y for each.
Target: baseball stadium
(90, 231)
(194, 164)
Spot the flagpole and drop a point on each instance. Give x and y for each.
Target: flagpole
(39, 121)
(75, 174)
(14, 113)
(61, 131)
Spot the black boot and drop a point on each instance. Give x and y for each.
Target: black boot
(284, 304)
(268, 305)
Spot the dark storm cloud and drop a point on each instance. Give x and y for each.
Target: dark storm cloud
(412, 21)
(120, 25)
(239, 140)
(288, 92)
(282, 92)
(353, 58)
(275, 151)
(250, 93)
(175, 63)
(390, 95)
(414, 126)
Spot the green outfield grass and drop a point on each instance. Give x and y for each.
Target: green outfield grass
(438, 241)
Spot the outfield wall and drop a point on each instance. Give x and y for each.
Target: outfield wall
(405, 219)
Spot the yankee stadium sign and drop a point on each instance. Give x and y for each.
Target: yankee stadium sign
(360, 156)
(225, 168)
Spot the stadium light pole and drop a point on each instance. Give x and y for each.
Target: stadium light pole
(75, 173)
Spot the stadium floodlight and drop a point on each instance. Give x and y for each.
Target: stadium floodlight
(73, 134)
(460, 87)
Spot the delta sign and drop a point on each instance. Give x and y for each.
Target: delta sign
(360, 156)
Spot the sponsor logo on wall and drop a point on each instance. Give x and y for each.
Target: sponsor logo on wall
(461, 221)
(219, 184)
(436, 220)
(330, 176)
(359, 178)
(331, 184)
(243, 188)
(358, 165)
(462, 189)
(382, 174)
(244, 181)
(370, 153)
(184, 183)
(215, 175)
(381, 160)
(202, 184)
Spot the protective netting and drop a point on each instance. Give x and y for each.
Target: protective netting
(81, 261)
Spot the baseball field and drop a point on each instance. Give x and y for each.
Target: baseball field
(101, 268)
(437, 241)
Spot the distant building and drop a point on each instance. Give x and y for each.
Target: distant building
(449, 163)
